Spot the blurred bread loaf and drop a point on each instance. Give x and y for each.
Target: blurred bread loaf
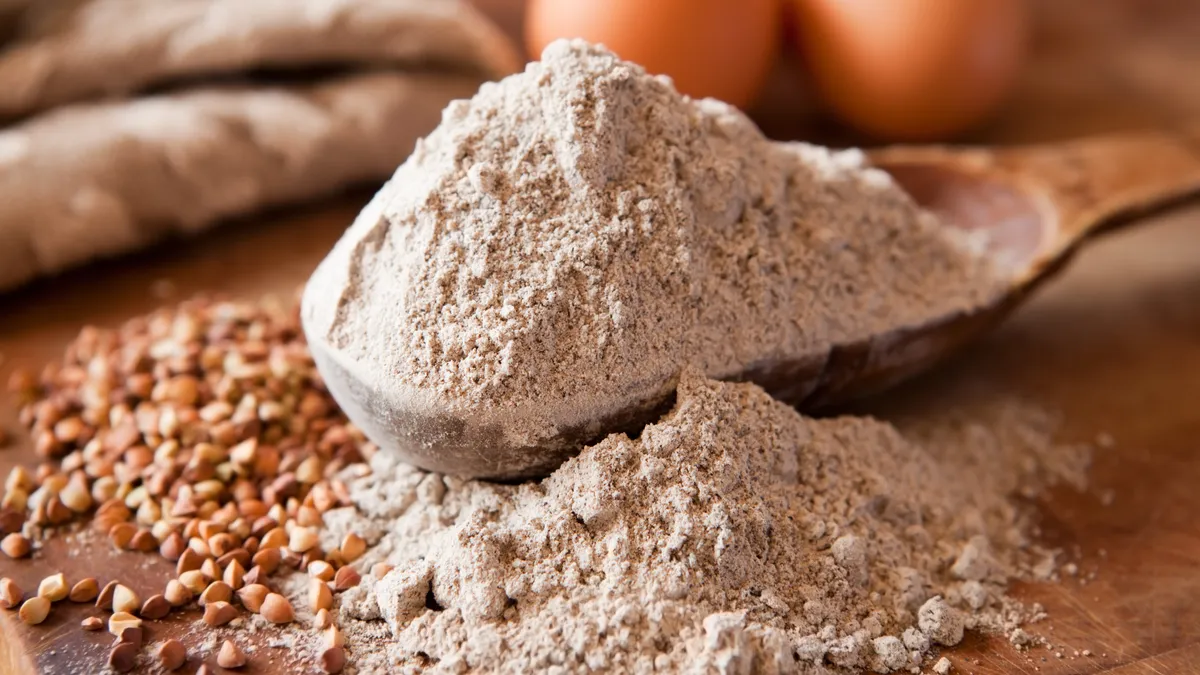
(172, 116)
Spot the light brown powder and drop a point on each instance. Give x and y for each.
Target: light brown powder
(735, 535)
(571, 237)
(564, 246)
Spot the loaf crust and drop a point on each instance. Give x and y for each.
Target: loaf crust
(90, 181)
(72, 51)
(87, 170)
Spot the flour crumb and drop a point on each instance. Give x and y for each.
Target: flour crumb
(942, 667)
(941, 622)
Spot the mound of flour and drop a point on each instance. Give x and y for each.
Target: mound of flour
(571, 237)
(734, 535)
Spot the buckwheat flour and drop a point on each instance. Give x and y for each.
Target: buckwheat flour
(569, 238)
(735, 535)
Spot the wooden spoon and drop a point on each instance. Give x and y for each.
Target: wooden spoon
(1038, 204)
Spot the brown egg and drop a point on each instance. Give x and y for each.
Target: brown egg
(912, 69)
(712, 48)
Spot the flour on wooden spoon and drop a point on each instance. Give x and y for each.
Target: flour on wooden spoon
(569, 242)
(573, 236)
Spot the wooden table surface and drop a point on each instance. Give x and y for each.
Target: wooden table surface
(1114, 344)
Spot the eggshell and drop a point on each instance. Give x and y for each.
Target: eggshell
(714, 48)
(912, 69)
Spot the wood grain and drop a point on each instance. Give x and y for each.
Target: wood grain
(1114, 344)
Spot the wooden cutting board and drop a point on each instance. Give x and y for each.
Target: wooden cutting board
(1114, 345)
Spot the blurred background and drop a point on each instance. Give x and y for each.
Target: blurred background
(126, 123)
(873, 71)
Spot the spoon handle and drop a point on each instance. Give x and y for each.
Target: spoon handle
(1095, 183)
(1045, 200)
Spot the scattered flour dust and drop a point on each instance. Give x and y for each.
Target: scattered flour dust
(732, 536)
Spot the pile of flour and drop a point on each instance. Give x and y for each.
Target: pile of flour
(571, 237)
(734, 535)
(565, 245)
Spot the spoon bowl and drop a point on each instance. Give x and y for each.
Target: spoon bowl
(1032, 206)
(1013, 225)
(1036, 206)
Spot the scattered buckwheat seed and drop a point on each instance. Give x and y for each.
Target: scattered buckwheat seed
(85, 590)
(54, 587)
(230, 656)
(123, 657)
(125, 600)
(276, 609)
(11, 594)
(172, 655)
(34, 610)
(219, 613)
(119, 621)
